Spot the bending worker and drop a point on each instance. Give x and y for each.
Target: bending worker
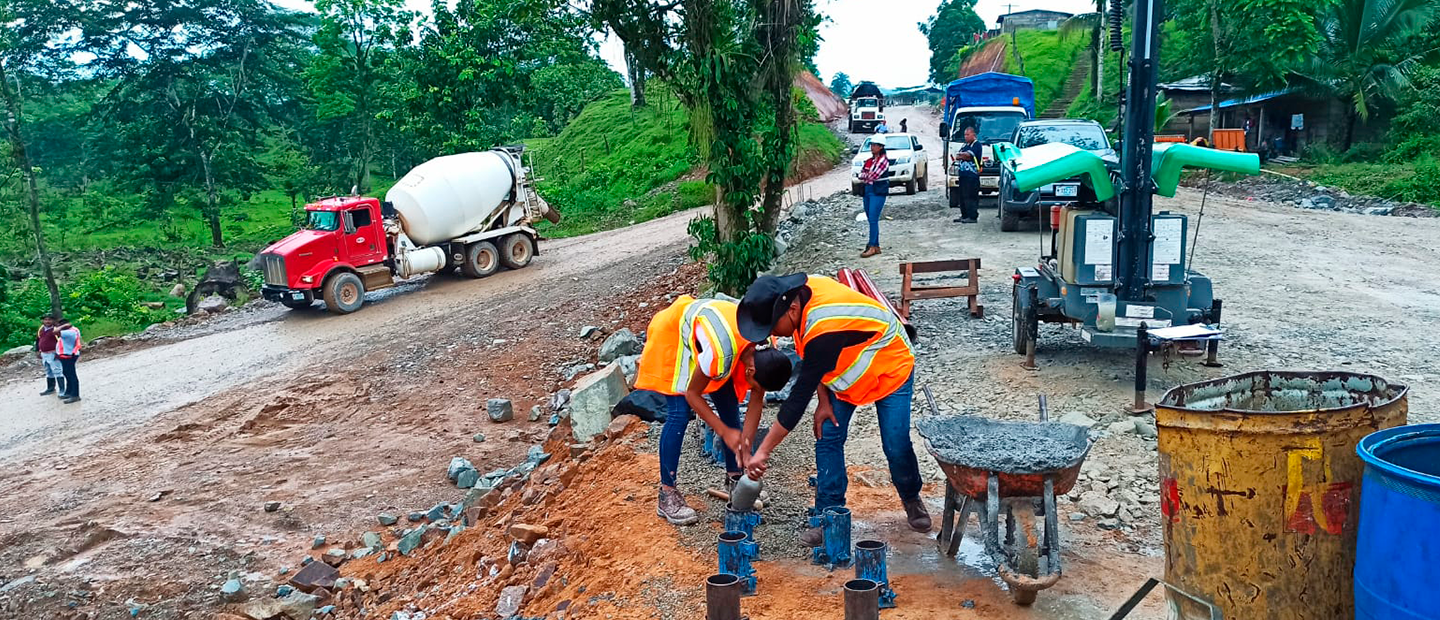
(693, 348)
(853, 352)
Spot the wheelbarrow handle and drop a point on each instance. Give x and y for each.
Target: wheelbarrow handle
(1044, 409)
(930, 399)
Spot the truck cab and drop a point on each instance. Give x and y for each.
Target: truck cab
(342, 234)
(867, 108)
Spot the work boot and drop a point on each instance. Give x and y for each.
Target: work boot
(813, 537)
(672, 508)
(72, 399)
(916, 514)
(870, 251)
(49, 387)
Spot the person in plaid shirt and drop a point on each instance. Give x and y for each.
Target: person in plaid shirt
(875, 174)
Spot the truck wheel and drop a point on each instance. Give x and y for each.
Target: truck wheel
(925, 180)
(481, 259)
(1023, 318)
(517, 250)
(954, 194)
(1009, 220)
(344, 293)
(910, 187)
(858, 190)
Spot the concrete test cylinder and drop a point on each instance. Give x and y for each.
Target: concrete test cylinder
(862, 600)
(722, 597)
(1259, 490)
(1396, 567)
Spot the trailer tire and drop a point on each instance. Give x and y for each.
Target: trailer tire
(344, 293)
(516, 250)
(481, 259)
(1023, 319)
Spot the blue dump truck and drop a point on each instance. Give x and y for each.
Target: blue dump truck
(994, 104)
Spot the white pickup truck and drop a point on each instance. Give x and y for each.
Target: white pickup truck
(908, 165)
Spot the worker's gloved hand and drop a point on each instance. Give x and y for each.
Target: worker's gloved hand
(759, 462)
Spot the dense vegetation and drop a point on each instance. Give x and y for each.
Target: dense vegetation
(1048, 59)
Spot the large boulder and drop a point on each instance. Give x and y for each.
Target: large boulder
(213, 304)
(592, 400)
(619, 344)
(630, 365)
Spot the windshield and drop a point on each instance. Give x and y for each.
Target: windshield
(1080, 136)
(989, 126)
(323, 220)
(892, 143)
(866, 102)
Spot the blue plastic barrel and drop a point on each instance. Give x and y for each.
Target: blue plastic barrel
(1397, 563)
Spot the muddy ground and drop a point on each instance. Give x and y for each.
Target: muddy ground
(150, 492)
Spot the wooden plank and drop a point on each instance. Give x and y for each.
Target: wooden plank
(941, 265)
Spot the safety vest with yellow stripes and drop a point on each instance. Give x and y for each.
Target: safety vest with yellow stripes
(864, 373)
(671, 354)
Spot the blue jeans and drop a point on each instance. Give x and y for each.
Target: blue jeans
(874, 201)
(677, 418)
(893, 412)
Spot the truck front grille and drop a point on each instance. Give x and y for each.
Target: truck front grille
(275, 270)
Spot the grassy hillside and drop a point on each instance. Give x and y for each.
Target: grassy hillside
(615, 165)
(1048, 62)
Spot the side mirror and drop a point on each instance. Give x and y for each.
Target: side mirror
(944, 131)
(349, 224)
(919, 147)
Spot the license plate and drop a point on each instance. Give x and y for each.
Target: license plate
(297, 296)
(990, 182)
(1067, 191)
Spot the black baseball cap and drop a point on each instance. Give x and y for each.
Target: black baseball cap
(765, 301)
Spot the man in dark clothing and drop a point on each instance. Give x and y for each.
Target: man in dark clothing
(67, 348)
(968, 177)
(853, 352)
(45, 350)
(903, 127)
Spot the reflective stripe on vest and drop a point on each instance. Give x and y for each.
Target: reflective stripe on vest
(722, 341)
(883, 318)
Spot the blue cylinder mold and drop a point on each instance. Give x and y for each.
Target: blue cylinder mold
(870, 564)
(736, 552)
(1397, 562)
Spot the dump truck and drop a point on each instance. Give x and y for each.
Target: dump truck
(474, 211)
(994, 104)
(867, 107)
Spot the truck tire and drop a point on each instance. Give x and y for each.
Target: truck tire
(954, 194)
(910, 187)
(925, 180)
(1009, 220)
(858, 190)
(516, 250)
(344, 293)
(481, 259)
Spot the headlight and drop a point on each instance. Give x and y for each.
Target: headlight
(307, 279)
(902, 160)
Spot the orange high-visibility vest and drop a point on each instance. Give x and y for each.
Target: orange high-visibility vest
(864, 373)
(671, 356)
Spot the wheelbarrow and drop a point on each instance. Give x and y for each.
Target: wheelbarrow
(1026, 555)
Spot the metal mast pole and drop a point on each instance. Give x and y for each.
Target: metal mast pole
(1137, 197)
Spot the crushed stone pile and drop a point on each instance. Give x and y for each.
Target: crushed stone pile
(1008, 447)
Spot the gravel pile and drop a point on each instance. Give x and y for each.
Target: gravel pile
(1308, 195)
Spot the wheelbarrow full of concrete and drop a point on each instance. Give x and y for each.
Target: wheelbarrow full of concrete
(996, 468)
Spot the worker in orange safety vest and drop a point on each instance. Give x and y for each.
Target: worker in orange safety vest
(853, 351)
(693, 349)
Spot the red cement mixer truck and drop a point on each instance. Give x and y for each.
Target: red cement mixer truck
(472, 210)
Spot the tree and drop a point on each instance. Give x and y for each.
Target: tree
(31, 27)
(840, 85)
(1361, 59)
(955, 22)
(731, 63)
(194, 105)
(345, 79)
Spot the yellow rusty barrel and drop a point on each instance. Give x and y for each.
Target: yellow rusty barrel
(1260, 490)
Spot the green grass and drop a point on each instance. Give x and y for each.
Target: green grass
(1048, 62)
(615, 165)
(1408, 181)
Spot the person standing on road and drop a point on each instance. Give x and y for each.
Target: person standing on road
(967, 176)
(903, 128)
(693, 349)
(853, 352)
(875, 174)
(67, 348)
(45, 340)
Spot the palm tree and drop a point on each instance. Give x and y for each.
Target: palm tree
(1092, 24)
(1360, 60)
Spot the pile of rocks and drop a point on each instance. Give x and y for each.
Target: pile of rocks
(1308, 195)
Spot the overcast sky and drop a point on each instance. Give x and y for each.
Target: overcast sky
(905, 59)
